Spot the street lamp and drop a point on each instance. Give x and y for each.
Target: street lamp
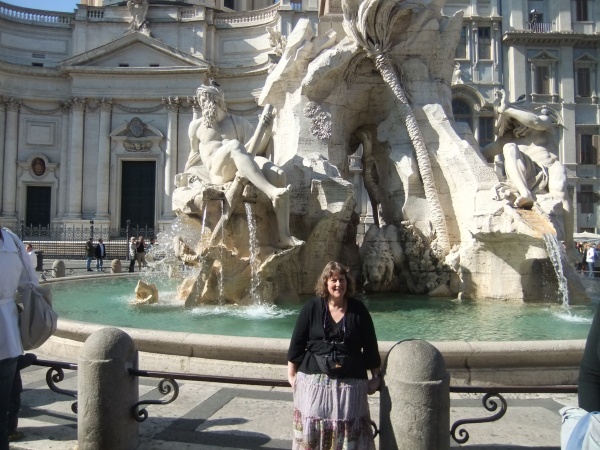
(127, 222)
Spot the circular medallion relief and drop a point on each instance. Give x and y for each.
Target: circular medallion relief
(38, 166)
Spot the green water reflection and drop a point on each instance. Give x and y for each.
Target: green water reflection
(108, 301)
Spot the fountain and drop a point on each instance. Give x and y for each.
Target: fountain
(445, 223)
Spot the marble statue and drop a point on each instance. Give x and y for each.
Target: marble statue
(527, 140)
(370, 172)
(224, 146)
(138, 10)
(457, 74)
(276, 40)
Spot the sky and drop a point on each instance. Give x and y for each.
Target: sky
(48, 5)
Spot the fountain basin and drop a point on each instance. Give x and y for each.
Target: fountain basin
(531, 362)
(527, 363)
(111, 301)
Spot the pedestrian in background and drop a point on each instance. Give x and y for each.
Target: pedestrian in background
(89, 254)
(32, 255)
(590, 258)
(140, 254)
(100, 254)
(132, 252)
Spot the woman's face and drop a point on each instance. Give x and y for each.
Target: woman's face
(336, 286)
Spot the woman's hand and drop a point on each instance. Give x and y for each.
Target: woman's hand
(374, 385)
(292, 369)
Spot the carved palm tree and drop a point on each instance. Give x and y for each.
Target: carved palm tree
(371, 26)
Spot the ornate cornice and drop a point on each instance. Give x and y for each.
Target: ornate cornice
(526, 37)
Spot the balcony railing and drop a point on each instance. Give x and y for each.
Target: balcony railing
(35, 15)
(540, 27)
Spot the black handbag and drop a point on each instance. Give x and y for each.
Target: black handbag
(335, 363)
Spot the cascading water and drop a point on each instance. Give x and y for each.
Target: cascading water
(221, 291)
(253, 255)
(556, 252)
(203, 227)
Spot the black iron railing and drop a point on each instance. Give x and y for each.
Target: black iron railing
(68, 242)
(494, 402)
(492, 399)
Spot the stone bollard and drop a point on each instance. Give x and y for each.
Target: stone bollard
(415, 399)
(58, 269)
(106, 392)
(115, 266)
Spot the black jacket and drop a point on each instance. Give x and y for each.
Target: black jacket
(97, 252)
(360, 340)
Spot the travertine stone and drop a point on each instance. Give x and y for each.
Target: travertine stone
(106, 392)
(415, 399)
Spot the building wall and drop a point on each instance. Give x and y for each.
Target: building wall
(558, 41)
(63, 89)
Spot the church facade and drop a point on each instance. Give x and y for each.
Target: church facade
(95, 104)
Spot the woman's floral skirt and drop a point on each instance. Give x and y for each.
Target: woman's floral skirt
(331, 414)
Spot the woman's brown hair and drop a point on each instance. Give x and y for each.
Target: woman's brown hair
(330, 268)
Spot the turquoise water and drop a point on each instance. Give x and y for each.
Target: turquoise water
(108, 301)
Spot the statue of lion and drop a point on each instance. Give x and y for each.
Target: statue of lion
(381, 254)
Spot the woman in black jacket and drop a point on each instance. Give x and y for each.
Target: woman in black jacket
(332, 347)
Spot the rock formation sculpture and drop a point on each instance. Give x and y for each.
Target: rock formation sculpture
(145, 293)
(385, 84)
(370, 25)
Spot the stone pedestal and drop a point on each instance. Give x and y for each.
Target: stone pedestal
(106, 392)
(58, 269)
(415, 398)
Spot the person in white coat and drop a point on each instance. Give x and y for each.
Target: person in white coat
(14, 274)
(32, 256)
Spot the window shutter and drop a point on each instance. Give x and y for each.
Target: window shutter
(596, 146)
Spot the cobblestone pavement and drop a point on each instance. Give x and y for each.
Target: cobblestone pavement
(220, 416)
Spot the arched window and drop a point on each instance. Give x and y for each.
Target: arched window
(462, 112)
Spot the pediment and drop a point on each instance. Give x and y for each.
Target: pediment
(135, 50)
(586, 58)
(543, 56)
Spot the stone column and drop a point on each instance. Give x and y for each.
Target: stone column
(415, 399)
(103, 185)
(106, 392)
(475, 53)
(9, 188)
(170, 156)
(196, 111)
(75, 172)
(63, 181)
(2, 136)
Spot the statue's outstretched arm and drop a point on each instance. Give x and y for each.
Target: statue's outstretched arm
(528, 118)
(262, 135)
